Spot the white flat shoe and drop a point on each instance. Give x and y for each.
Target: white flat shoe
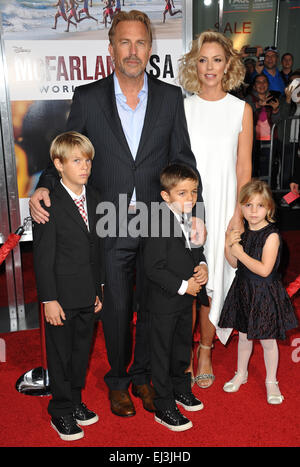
(231, 386)
(274, 399)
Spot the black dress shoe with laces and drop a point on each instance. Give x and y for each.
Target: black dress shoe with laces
(188, 401)
(84, 416)
(173, 419)
(67, 427)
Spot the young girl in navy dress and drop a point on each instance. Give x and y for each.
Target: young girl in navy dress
(257, 304)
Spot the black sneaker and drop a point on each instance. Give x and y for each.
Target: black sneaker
(67, 427)
(173, 419)
(84, 416)
(189, 401)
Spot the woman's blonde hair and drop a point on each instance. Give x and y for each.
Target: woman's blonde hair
(258, 187)
(188, 75)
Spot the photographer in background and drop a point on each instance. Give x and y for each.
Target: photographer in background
(276, 82)
(265, 107)
(251, 57)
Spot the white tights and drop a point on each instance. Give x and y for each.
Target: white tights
(270, 349)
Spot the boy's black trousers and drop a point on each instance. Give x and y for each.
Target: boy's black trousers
(171, 345)
(68, 349)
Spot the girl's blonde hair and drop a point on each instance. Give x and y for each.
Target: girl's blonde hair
(258, 187)
(188, 75)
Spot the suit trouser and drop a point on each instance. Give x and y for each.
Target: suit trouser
(124, 268)
(171, 341)
(68, 349)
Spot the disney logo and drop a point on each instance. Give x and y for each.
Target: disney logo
(20, 50)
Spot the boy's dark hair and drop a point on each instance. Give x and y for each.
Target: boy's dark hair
(175, 173)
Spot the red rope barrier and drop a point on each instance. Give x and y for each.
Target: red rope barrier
(12, 241)
(293, 287)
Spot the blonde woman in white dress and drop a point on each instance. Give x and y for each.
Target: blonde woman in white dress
(221, 132)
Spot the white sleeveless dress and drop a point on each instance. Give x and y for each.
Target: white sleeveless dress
(214, 128)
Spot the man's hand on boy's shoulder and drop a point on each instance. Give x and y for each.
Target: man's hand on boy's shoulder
(37, 212)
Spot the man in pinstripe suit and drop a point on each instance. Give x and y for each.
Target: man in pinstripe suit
(137, 126)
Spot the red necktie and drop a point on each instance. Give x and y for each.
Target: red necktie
(80, 204)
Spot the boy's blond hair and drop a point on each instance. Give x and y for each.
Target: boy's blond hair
(63, 144)
(258, 187)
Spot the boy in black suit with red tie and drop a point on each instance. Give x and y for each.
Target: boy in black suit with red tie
(177, 274)
(68, 274)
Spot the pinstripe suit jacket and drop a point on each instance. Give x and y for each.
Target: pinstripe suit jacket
(66, 254)
(164, 140)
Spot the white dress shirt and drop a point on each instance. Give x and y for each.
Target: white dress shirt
(76, 197)
(184, 285)
(132, 120)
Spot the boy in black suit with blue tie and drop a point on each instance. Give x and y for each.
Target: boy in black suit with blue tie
(177, 274)
(68, 274)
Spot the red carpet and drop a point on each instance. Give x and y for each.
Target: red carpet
(240, 419)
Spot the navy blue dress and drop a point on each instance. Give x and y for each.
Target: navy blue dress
(255, 305)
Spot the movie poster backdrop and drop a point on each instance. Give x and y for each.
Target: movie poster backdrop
(51, 48)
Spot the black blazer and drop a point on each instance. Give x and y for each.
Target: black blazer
(66, 254)
(168, 261)
(164, 140)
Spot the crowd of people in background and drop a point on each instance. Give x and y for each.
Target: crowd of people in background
(269, 91)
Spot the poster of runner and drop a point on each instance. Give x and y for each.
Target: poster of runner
(53, 46)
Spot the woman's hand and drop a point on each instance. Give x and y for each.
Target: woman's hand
(236, 223)
(233, 236)
(236, 249)
(201, 274)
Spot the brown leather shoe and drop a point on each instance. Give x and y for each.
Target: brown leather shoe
(121, 403)
(146, 393)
